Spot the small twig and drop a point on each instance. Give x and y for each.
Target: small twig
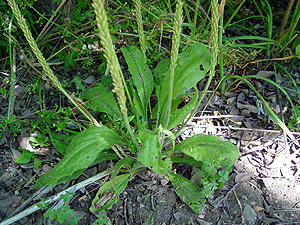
(125, 211)
(152, 202)
(226, 196)
(49, 21)
(240, 205)
(39, 193)
(241, 128)
(56, 197)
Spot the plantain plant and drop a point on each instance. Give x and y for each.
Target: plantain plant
(142, 133)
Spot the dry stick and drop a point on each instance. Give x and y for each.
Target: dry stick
(274, 59)
(226, 196)
(282, 117)
(285, 19)
(39, 193)
(282, 26)
(240, 205)
(284, 47)
(242, 128)
(56, 197)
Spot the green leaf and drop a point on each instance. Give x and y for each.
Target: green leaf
(37, 163)
(25, 157)
(188, 191)
(102, 100)
(187, 74)
(150, 155)
(186, 160)
(44, 179)
(208, 147)
(105, 155)
(113, 188)
(78, 82)
(69, 61)
(81, 153)
(161, 68)
(125, 163)
(298, 51)
(60, 141)
(141, 74)
(180, 114)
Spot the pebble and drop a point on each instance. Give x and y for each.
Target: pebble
(249, 214)
(268, 182)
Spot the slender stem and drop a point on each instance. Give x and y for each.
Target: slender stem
(174, 56)
(112, 63)
(221, 64)
(39, 55)
(12, 72)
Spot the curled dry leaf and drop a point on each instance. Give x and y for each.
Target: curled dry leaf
(258, 209)
(242, 177)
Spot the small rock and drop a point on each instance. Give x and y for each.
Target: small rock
(139, 199)
(20, 91)
(203, 222)
(249, 214)
(164, 181)
(268, 182)
(89, 80)
(46, 168)
(242, 177)
(177, 215)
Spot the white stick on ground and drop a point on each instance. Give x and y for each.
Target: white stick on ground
(56, 197)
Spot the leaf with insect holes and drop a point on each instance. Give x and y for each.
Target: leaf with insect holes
(101, 100)
(188, 191)
(80, 154)
(208, 147)
(141, 74)
(108, 193)
(192, 65)
(150, 155)
(179, 115)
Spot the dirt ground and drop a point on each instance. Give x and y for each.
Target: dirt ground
(263, 188)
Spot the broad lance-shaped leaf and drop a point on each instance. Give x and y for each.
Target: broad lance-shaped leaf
(61, 141)
(208, 147)
(141, 74)
(113, 189)
(180, 114)
(102, 100)
(188, 191)
(187, 73)
(150, 155)
(81, 153)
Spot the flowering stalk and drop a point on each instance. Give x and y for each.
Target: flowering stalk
(112, 62)
(174, 55)
(41, 59)
(214, 47)
(140, 28)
